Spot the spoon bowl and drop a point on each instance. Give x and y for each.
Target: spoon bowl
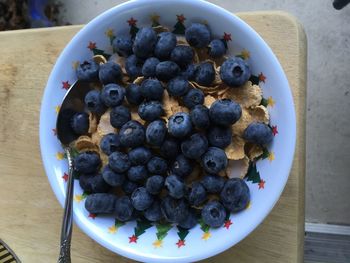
(73, 102)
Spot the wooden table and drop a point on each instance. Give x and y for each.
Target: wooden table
(30, 216)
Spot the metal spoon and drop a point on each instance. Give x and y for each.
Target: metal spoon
(73, 102)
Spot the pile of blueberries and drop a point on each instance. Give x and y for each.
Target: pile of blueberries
(149, 163)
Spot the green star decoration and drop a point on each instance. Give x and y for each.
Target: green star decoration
(162, 230)
(253, 175)
(254, 79)
(141, 227)
(205, 228)
(182, 233)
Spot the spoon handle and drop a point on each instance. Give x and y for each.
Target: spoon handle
(66, 230)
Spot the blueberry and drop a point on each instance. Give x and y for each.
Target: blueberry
(205, 74)
(170, 149)
(190, 220)
(193, 97)
(123, 208)
(178, 86)
(235, 72)
(132, 134)
(214, 160)
(137, 173)
(154, 184)
(100, 203)
(133, 66)
(182, 166)
(119, 116)
(235, 195)
(88, 70)
(87, 162)
(150, 110)
(165, 44)
(189, 72)
(153, 213)
(94, 103)
(182, 55)
(139, 156)
(259, 133)
(179, 125)
(112, 95)
(197, 194)
(219, 136)
(156, 132)
(144, 43)
(200, 117)
(176, 188)
(112, 178)
(213, 183)
(225, 112)
(110, 143)
(167, 70)
(133, 94)
(152, 89)
(93, 183)
(174, 210)
(129, 187)
(123, 45)
(217, 48)
(119, 162)
(197, 35)
(149, 67)
(141, 199)
(110, 72)
(194, 146)
(157, 165)
(80, 123)
(214, 214)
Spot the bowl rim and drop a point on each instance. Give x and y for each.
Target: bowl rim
(42, 131)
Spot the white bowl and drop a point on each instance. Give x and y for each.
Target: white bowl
(197, 244)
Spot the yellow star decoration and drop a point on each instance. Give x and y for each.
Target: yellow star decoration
(206, 236)
(57, 109)
(245, 54)
(270, 102)
(154, 18)
(109, 32)
(78, 198)
(249, 205)
(158, 243)
(75, 64)
(59, 156)
(271, 156)
(112, 229)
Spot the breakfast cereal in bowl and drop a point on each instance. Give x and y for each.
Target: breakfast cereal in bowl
(176, 145)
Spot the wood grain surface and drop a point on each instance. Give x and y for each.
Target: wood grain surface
(30, 216)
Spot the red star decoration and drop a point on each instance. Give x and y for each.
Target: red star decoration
(93, 216)
(261, 184)
(262, 77)
(65, 85)
(91, 45)
(180, 243)
(274, 130)
(65, 177)
(132, 21)
(54, 132)
(227, 223)
(227, 37)
(133, 239)
(181, 18)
